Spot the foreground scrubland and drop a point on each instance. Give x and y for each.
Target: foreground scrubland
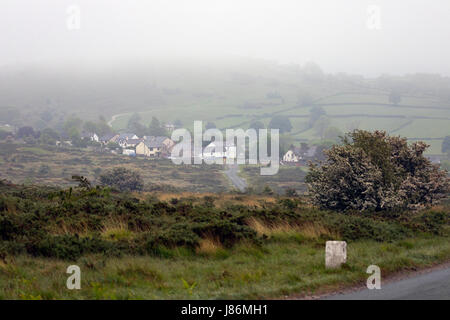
(148, 245)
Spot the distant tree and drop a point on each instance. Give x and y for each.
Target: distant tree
(75, 138)
(156, 129)
(138, 128)
(135, 117)
(72, 123)
(332, 133)
(373, 171)
(314, 114)
(285, 143)
(49, 136)
(305, 99)
(210, 125)
(4, 134)
(83, 182)
(103, 127)
(26, 131)
(321, 126)
(46, 115)
(281, 122)
(395, 97)
(90, 126)
(122, 179)
(312, 72)
(446, 145)
(178, 123)
(256, 124)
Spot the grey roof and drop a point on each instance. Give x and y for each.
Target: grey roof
(133, 141)
(154, 143)
(126, 136)
(157, 138)
(107, 137)
(309, 153)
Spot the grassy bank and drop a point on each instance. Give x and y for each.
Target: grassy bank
(281, 267)
(154, 246)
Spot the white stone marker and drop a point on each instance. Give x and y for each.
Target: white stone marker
(335, 254)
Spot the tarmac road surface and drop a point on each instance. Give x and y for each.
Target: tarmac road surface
(434, 285)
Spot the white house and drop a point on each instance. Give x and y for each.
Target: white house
(129, 152)
(126, 140)
(130, 143)
(228, 151)
(90, 136)
(291, 156)
(303, 154)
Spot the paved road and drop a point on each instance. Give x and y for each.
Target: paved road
(429, 286)
(232, 174)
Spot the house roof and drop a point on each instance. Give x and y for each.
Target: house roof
(154, 143)
(225, 144)
(157, 138)
(125, 136)
(133, 141)
(107, 137)
(309, 153)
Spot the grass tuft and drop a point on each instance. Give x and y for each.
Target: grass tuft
(116, 229)
(209, 245)
(312, 231)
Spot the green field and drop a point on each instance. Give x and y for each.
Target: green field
(233, 93)
(414, 117)
(276, 270)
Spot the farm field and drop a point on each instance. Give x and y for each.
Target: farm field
(413, 117)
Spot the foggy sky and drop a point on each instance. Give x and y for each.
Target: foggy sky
(414, 35)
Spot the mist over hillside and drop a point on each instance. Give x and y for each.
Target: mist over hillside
(229, 93)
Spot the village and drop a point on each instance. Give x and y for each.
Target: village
(150, 146)
(160, 147)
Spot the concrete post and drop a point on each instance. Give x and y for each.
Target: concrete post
(335, 254)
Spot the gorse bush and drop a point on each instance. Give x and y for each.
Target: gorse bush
(373, 171)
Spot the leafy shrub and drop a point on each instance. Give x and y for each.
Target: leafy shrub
(372, 171)
(122, 179)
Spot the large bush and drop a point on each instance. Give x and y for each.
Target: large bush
(122, 179)
(373, 171)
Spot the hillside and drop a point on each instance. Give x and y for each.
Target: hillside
(233, 95)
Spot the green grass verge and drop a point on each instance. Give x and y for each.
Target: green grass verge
(280, 267)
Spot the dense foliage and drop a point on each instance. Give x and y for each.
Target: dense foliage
(373, 171)
(122, 179)
(66, 224)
